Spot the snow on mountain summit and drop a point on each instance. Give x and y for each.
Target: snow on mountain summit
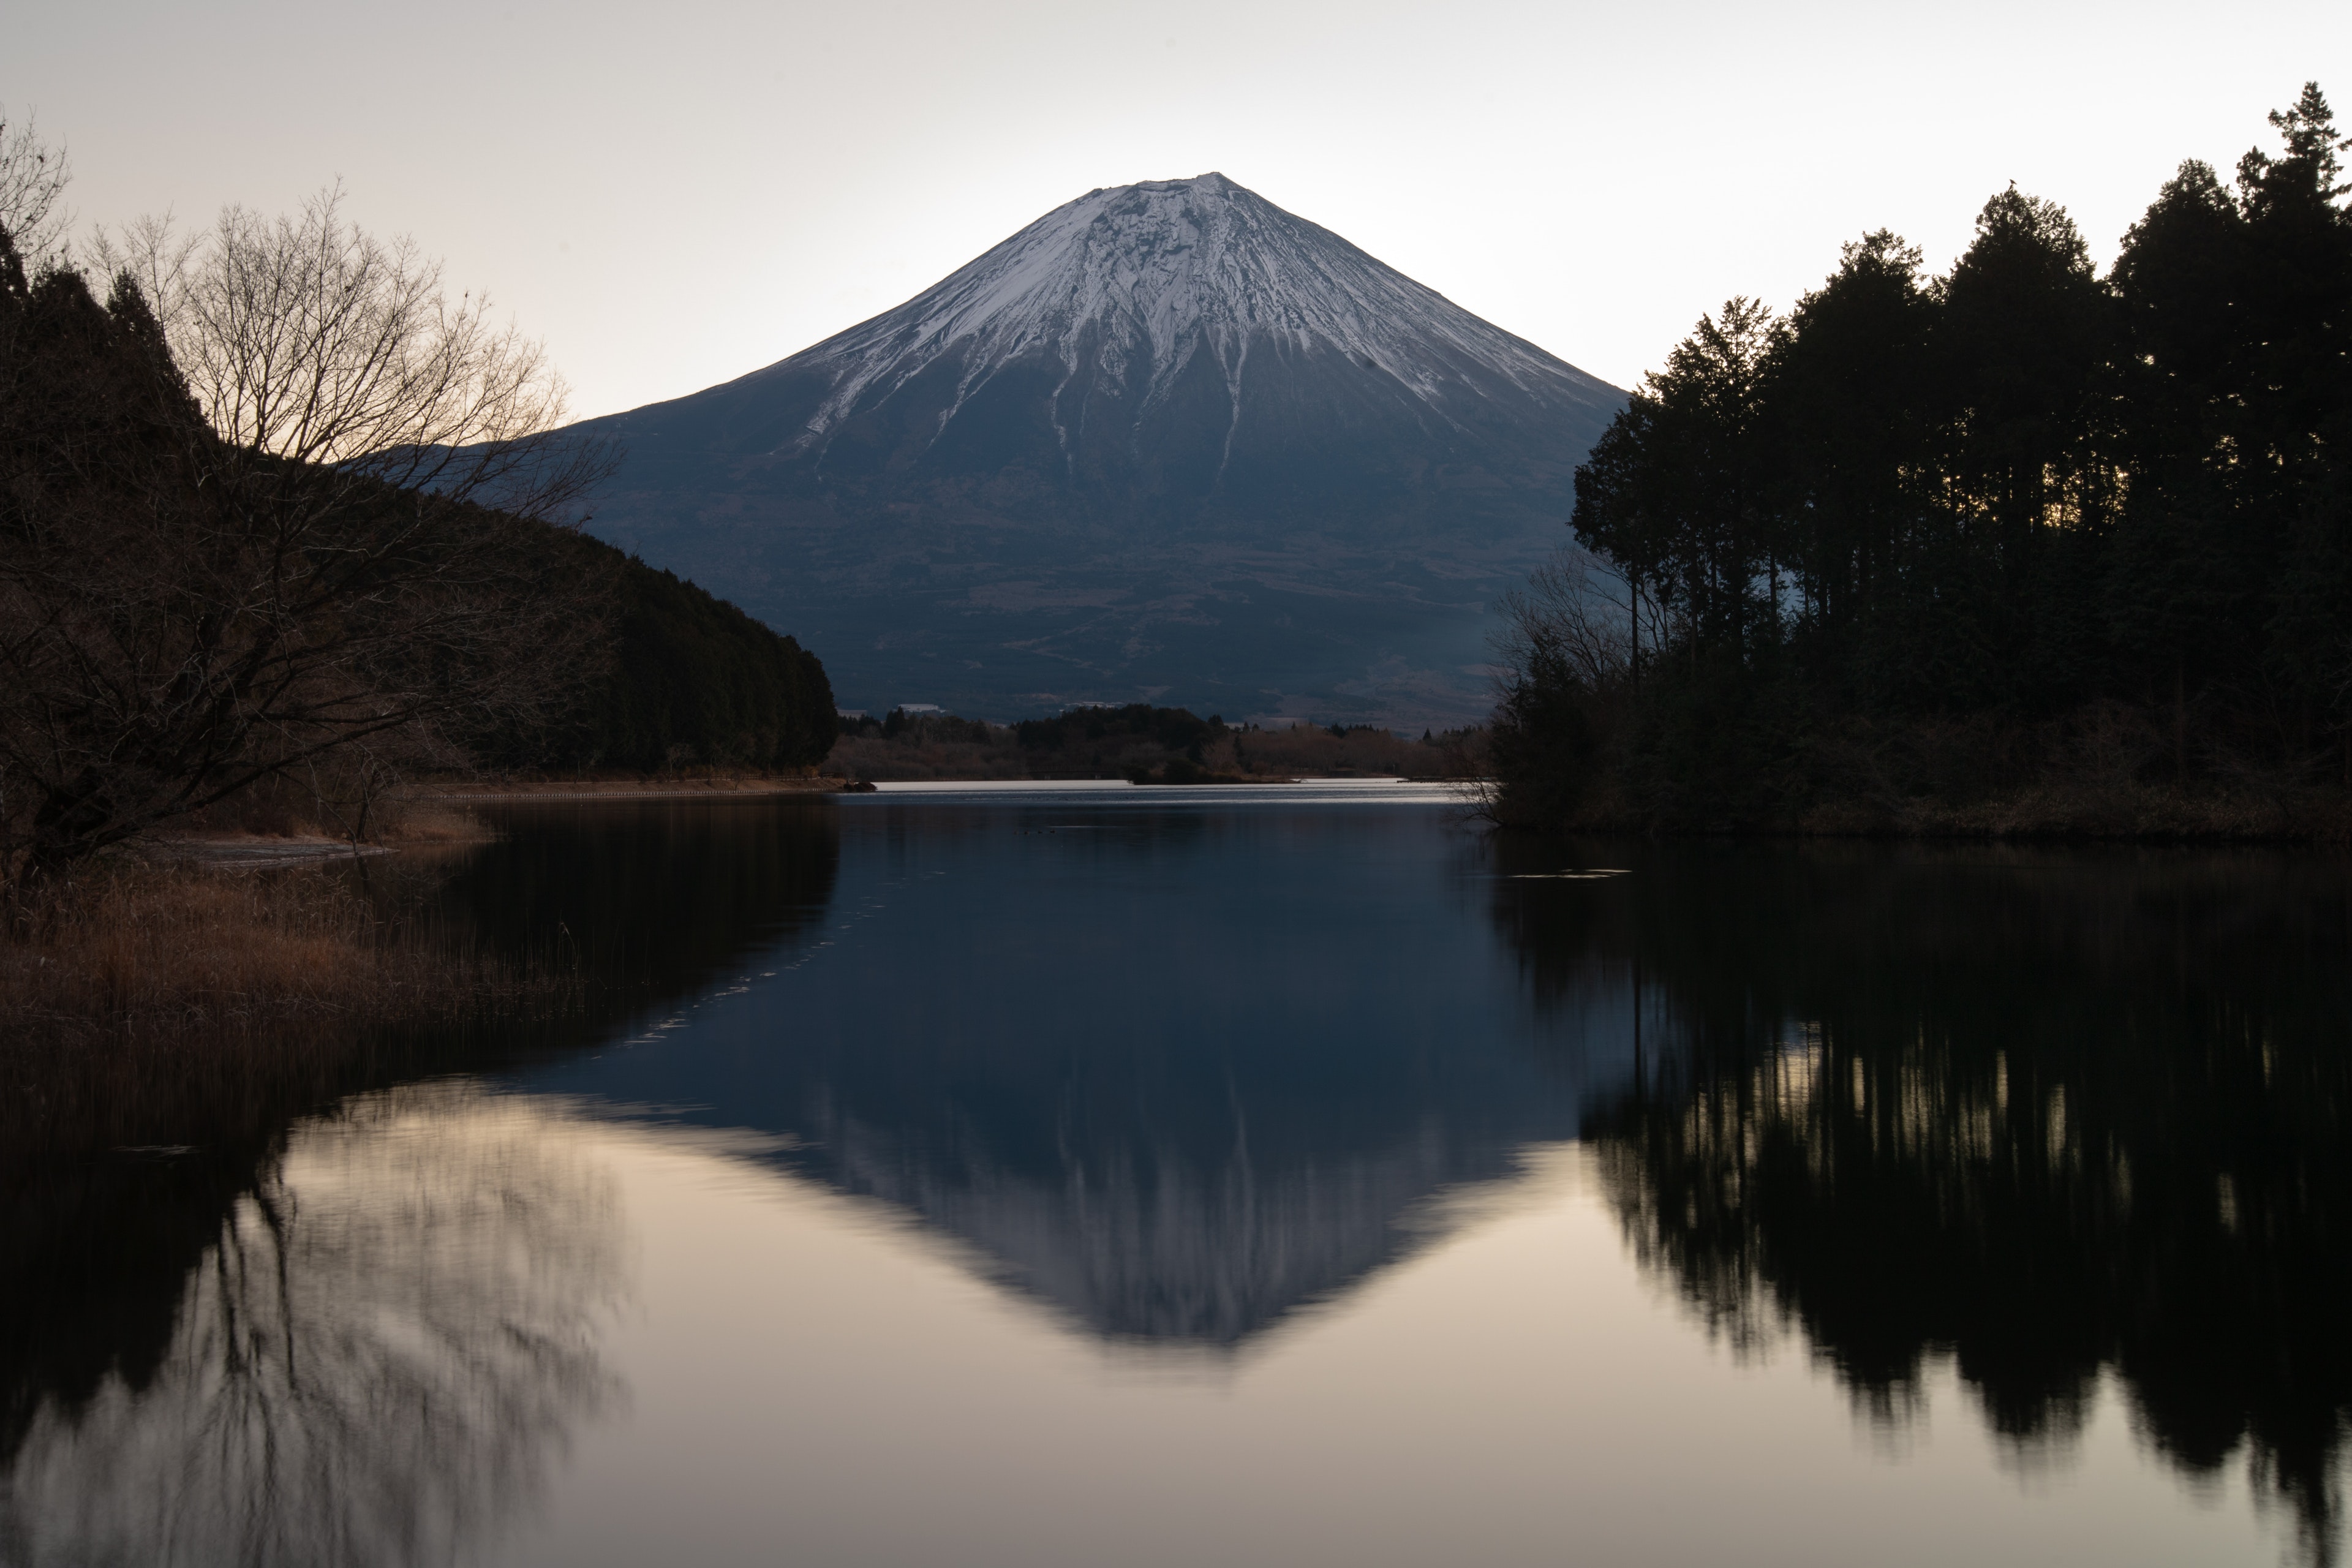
(1169, 441)
(1145, 278)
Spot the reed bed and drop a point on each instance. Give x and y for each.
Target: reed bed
(151, 1002)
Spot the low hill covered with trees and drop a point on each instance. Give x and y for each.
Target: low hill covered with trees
(2017, 546)
(685, 678)
(277, 511)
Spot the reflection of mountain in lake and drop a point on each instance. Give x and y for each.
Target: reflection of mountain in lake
(1175, 1073)
(1160, 1242)
(2049, 1115)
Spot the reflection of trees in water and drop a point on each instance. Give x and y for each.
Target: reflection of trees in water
(386, 1341)
(659, 894)
(364, 1339)
(2053, 1117)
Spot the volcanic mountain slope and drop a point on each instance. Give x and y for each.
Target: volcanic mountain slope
(1169, 442)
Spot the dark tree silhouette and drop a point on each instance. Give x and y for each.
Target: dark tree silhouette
(1931, 538)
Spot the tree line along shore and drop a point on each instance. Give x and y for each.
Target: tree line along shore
(2016, 548)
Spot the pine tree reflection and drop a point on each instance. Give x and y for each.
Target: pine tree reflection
(375, 1360)
(2057, 1116)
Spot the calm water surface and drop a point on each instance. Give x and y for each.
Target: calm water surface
(1281, 1177)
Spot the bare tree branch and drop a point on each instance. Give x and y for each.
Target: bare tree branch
(278, 501)
(32, 180)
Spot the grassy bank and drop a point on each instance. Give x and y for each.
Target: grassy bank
(147, 999)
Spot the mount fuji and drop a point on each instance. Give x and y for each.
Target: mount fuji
(1168, 443)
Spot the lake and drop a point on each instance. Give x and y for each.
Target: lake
(1287, 1175)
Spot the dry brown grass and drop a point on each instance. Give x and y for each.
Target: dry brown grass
(428, 821)
(143, 998)
(689, 781)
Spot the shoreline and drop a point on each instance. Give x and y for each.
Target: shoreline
(630, 789)
(2323, 831)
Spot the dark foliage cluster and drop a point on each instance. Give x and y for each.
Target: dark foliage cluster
(1089, 729)
(1921, 533)
(691, 680)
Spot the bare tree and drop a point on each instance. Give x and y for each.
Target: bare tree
(273, 504)
(318, 351)
(1566, 645)
(1577, 614)
(33, 177)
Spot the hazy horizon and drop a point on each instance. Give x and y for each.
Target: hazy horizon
(671, 204)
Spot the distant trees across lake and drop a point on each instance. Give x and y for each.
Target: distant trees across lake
(1138, 741)
(1926, 547)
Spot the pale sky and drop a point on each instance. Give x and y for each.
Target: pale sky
(672, 196)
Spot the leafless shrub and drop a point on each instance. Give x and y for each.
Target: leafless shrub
(1575, 613)
(1567, 648)
(33, 179)
(323, 356)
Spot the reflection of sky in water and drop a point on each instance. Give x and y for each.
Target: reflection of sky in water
(814, 1384)
(1139, 1183)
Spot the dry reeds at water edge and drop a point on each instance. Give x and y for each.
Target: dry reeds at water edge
(146, 1002)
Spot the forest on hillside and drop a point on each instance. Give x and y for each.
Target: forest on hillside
(276, 514)
(2020, 545)
(685, 680)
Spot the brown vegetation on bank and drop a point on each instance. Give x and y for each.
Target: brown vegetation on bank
(686, 784)
(144, 997)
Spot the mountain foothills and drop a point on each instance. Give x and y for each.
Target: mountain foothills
(1169, 442)
(2016, 547)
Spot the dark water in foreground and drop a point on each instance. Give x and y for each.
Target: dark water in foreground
(1168, 1177)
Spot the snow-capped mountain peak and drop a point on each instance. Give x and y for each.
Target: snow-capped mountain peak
(1169, 441)
(1125, 288)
